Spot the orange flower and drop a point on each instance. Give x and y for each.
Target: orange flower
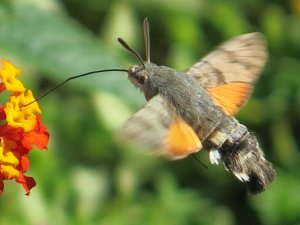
(20, 129)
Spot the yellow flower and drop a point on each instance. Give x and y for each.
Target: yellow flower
(8, 160)
(8, 76)
(18, 114)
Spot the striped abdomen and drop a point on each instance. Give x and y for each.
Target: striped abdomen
(240, 153)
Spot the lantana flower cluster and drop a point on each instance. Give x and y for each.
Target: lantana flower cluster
(21, 128)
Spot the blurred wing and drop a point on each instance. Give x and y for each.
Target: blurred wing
(230, 70)
(157, 128)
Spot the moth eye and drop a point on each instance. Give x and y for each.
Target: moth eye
(141, 78)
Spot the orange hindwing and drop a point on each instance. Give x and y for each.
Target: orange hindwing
(182, 140)
(230, 97)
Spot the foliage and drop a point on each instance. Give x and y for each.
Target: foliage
(86, 177)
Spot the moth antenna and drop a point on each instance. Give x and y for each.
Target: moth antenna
(137, 55)
(198, 161)
(72, 78)
(147, 39)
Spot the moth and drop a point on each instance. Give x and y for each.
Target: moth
(193, 110)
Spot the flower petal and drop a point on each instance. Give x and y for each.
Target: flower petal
(1, 186)
(2, 113)
(9, 160)
(8, 76)
(27, 182)
(38, 137)
(18, 114)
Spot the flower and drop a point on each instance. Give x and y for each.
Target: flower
(19, 116)
(21, 128)
(8, 76)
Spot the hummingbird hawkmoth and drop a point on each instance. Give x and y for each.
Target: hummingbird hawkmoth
(190, 110)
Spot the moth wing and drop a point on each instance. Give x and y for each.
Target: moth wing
(182, 140)
(157, 128)
(230, 70)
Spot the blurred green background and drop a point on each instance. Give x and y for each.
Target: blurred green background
(86, 177)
